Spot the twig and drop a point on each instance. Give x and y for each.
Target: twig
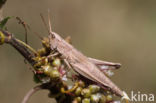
(20, 46)
(30, 93)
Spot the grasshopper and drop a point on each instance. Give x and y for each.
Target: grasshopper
(87, 67)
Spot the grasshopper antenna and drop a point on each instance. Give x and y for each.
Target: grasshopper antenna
(49, 21)
(44, 22)
(50, 28)
(49, 24)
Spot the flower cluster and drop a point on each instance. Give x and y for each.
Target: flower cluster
(51, 68)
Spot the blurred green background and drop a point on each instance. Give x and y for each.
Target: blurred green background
(114, 30)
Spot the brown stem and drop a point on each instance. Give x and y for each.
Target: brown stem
(21, 48)
(30, 93)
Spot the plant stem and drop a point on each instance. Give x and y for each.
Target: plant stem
(30, 93)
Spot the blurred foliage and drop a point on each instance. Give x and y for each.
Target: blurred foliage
(119, 31)
(3, 22)
(2, 1)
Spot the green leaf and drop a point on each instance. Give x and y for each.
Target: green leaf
(3, 22)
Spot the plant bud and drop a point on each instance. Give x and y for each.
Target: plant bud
(57, 62)
(102, 99)
(81, 84)
(94, 88)
(45, 42)
(86, 93)
(78, 91)
(42, 51)
(78, 99)
(94, 98)
(54, 74)
(86, 100)
(109, 98)
(47, 69)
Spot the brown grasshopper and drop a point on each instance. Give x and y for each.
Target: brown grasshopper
(87, 67)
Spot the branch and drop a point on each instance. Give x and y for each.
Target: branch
(30, 93)
(52, 74)
(20, 46)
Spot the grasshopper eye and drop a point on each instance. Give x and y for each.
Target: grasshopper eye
(52, 35)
